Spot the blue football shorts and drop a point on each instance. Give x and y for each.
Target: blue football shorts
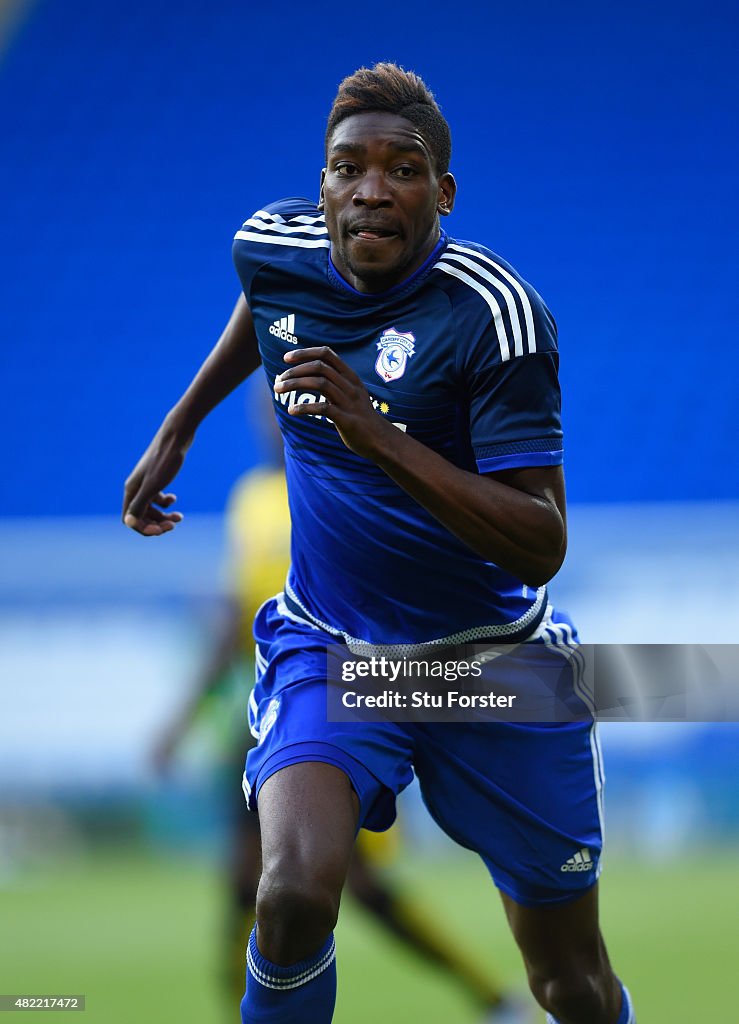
(526, 797)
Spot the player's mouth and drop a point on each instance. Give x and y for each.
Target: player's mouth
(371, 232)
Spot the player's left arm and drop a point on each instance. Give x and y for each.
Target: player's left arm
(513, 517)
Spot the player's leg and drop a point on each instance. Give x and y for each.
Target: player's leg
(566, 961)
(309, 817)
(525, 833)
(528, 798)
(308, 813)
(313, 782)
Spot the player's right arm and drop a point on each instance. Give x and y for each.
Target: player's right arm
(234, 357)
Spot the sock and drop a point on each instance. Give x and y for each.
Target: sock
(627, 1010)
(304, 993)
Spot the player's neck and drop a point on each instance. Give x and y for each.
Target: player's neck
(381, 284)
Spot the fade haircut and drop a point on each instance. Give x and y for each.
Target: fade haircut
(387, 87)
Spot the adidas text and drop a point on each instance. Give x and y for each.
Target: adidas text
(284, 328)
(582, 861)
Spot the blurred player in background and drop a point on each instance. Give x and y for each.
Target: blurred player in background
(416, 382)
(257, 560)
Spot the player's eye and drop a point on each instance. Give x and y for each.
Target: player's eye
(405, 171)
(346, 170)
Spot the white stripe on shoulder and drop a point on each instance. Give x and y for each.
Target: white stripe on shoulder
(305, 219)
(275, 218)
(303, 243)
(489, 298)
(284, 229)
(528, 311)
(504, 290)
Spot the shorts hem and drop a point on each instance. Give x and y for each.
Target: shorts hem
(366, 785)
(544, 897)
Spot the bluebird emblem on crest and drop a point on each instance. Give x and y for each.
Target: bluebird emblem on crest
(395, 349)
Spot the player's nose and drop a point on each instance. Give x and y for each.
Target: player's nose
(373, 191)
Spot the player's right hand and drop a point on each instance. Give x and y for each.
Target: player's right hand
(144, 497)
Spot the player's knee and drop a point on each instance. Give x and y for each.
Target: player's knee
(574, 993)
(294, 902)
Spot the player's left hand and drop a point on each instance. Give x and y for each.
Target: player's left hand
(347, 403)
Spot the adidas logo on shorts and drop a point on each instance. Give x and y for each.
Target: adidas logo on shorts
(582, 861)
(284, 328)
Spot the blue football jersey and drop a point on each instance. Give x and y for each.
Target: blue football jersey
(463, 356)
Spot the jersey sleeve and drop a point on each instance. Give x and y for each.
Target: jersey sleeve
(515, 414)
(514, 395)
(273, 234)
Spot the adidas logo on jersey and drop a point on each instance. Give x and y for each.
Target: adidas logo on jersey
(284, 328)
(582, 861)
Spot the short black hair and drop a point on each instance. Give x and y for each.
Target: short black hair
(388, 87)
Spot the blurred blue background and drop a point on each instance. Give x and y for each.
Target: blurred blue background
(595, 147)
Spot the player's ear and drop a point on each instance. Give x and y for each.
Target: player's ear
(447, 193)
(320, 193)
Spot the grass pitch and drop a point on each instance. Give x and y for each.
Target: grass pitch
(140, 937)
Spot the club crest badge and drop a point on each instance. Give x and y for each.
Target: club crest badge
(395, 349)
